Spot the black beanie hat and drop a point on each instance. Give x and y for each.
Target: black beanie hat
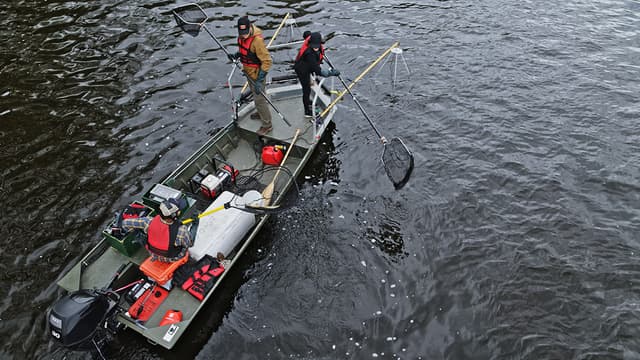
(315, 40)
(244, 25)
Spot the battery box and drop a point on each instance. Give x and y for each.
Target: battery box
(196, 181)
(147, 303)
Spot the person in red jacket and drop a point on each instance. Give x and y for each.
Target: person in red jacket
(167, 239)
(308, 62)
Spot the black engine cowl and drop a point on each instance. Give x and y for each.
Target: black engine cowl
(74, 319)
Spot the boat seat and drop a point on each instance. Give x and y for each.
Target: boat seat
(159, 271)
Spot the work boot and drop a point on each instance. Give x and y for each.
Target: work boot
(264, 130)
(255, 116)
(307, 114)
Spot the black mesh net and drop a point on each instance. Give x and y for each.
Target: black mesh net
(398, 162)
(255, 182)
(190, 18)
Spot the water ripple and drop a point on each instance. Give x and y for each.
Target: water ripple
(515, 238)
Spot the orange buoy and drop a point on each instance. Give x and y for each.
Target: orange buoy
(171, 316)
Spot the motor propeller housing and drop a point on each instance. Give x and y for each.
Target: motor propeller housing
(75, 318)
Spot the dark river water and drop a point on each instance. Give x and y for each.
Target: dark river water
(516, 237)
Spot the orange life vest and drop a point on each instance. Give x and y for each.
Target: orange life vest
(247, 57)
(203, 278)
(161, 238)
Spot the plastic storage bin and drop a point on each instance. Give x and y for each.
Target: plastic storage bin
(126, 245)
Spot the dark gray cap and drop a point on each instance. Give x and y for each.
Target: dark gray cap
(244, 25)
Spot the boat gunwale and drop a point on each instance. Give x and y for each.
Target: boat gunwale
(155, 334)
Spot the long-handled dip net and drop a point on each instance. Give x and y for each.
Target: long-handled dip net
(396, 157)
(397, 161)
(191, 18)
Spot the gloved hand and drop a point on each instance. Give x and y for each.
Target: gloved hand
(261, 76)
(327, 73)
(234, 56)
(257, 87)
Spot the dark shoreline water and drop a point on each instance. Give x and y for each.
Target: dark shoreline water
(514, 239)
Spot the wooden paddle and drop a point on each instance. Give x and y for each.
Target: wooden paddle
(267, 193)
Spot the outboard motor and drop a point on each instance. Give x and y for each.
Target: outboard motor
(79, 320)
(75, 319)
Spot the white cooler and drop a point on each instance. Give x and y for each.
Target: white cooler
(223, 230)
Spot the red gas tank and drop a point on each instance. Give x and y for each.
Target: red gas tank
(272, 154)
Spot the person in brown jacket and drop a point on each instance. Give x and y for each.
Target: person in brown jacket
(256, 63)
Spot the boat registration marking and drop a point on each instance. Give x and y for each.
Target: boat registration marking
(173, 329)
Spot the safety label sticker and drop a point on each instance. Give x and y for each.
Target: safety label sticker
(173, 329)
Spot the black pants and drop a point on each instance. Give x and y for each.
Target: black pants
(305, 81)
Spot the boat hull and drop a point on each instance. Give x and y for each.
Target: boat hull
(234, 144)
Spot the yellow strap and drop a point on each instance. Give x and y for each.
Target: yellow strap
(200, 216)
(324, 113)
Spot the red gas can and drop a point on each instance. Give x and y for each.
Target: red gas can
(272, 155)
